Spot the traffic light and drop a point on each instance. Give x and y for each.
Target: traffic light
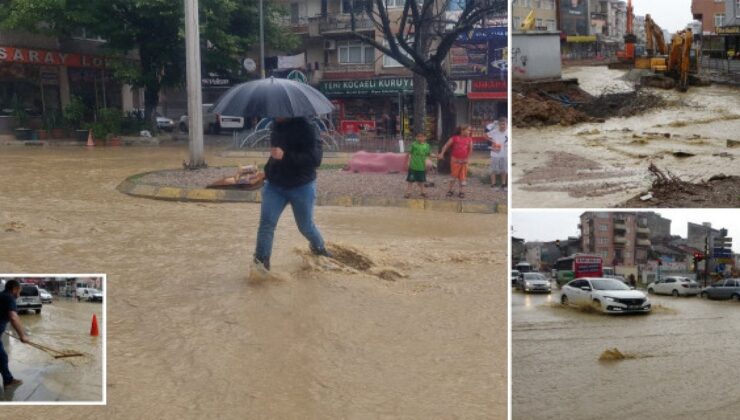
(698, 256)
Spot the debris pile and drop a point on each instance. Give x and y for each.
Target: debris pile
(571, 105)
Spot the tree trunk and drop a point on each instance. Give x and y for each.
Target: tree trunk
(420, 103)
(151, 101)
(442, 97)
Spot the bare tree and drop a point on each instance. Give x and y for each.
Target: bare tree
(420, 39)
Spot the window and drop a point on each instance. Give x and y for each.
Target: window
(391, 4)
(719, 20)
(517, 22)
(355, 52)
(603, 228)
(348, 5)
(550, 25)
(388, 61)
(627, 255)
(538, 23)
(547, 4)
(602, 241)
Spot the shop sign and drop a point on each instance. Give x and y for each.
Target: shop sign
(728, 30)
(45, 57)
(485, 85)
(215, 81)
(367, 87)
(481, 53)
(356, 126)
(580, 38)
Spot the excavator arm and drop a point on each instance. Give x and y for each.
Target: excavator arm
(654, 39)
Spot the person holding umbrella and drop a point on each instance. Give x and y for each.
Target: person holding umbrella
(9, 313)
(295, 154)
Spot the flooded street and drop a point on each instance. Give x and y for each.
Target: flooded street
(674, 367)
(604, 164)
(190, 336)
(63, 325)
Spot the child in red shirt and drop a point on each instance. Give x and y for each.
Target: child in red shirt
(462, 146)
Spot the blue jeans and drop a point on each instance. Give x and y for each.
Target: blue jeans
(4, 369)
(274, 200)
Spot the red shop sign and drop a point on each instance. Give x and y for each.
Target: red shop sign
(355, 126)
(49, 58)
(489, 86)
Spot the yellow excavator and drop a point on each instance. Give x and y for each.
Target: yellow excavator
(673, 67)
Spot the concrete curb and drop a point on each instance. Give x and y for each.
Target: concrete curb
(131, 187)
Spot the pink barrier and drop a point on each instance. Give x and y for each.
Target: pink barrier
(377, 162)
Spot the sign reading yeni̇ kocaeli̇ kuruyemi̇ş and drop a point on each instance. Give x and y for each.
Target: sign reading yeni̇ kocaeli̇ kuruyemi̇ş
(385, 86)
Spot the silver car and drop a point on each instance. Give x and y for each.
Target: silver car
(534, 282)
(723, 289)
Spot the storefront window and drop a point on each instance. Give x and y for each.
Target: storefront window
(20, 86)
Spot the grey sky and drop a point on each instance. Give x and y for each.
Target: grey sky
(553, 224)
(672, 15)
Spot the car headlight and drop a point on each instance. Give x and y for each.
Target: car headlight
(609, 299)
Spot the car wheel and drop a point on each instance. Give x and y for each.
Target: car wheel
(564, 300)
(736, 297)
(38, 311)
(651, 291)
(675, 293)
(596, 304)
(704, 295)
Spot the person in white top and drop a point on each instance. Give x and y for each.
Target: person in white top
(498, 138)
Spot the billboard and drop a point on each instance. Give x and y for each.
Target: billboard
(480, 53)
(574, 17)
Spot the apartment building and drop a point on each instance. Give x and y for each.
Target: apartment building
(545, 14)
(620, 238)
(711, 13)
(368, 87)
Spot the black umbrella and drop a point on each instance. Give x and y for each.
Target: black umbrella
(273, 98)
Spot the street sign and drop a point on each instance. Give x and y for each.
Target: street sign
(298, 76)
(249, 65)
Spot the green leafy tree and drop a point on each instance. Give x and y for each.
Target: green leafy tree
(148, 35)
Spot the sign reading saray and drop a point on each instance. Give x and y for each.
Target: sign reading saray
(480, 53)
(49, 58)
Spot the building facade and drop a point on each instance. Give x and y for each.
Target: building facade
(40, 74)
(660, 227)
(620, 238)
(545, 14)
(369, 88)
(711, 14)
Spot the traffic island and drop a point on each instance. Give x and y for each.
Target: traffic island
(335, 188)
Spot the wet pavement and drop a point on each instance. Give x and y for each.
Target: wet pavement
(63, 325)
(422, 335)
(677, 360)
(603, 165)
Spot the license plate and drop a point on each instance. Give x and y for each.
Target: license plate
(633, 307)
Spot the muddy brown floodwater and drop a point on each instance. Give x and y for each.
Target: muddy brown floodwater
(575, 364)
(420, 334)
(603, 165)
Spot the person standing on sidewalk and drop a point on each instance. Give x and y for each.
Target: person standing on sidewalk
(499, 141)
(9, 313)
(461, 145)
(290, 175)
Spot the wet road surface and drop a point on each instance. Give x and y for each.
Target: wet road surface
(63, 325)
(678, 363)
(190, 336)
(602, 165)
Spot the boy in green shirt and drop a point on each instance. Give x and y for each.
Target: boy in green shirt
(416, 160)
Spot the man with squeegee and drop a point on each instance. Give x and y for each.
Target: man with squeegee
(9, 313)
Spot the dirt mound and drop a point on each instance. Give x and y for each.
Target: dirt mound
(350, 260)
(670, 191)
(569, 105)
(614, 355)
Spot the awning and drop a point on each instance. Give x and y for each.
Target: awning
(581, 38)
(496, 96)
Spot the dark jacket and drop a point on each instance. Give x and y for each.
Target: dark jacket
(301, 143)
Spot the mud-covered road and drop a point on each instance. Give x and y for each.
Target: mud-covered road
(420, 334)
(675, 366)
(605, 164)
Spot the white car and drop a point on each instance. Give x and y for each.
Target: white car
(164, 123)
(676, 286)
(214, 123)
(534, 282)
(45, 296)
(89, 294)
(29, 300)
(607, 295)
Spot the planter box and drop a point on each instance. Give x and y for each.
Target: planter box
(81, 135)
(58, 133)
(42, 134)
(115, 141)
(23, 133)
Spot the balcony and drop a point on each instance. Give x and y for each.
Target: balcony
(620, 225)
(342, 24)
(296, 24)
(620, 240)
(643, 242)
(642, 231)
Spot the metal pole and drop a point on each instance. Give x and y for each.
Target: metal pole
(195, 110)
(262, 41)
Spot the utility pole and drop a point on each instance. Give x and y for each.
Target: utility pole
(262, 40)
(195, 100)
(706, 259)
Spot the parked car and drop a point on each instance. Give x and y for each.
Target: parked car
(676, 286)
(534, 282)
(89, 294)
(605, 294)
(164, 123)
(723, 289)
(515, 274)
(213, 123)
(46, 297)
(30, 298)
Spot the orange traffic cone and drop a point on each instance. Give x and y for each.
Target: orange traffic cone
(90, 141)
(94, 327)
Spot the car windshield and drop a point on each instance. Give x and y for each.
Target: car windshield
(608, 284)
(29, 291)
(94, 291)
(533, 276)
